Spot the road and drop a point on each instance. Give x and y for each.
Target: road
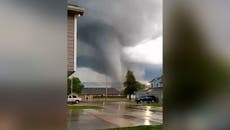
(115, 114)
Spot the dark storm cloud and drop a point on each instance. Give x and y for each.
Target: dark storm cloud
(106, 45)
(39, 8)
(110, 25)
(152, 72)
(144, 71)
(131, 18)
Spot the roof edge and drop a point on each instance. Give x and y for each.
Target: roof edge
(156, 78)
(76, 9)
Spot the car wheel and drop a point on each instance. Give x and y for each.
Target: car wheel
(76, 101)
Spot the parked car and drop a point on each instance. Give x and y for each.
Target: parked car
(73, 99)
(147, 99)
(155, 99)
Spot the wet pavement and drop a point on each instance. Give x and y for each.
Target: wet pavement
(114, 114)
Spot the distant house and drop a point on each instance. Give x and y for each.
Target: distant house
(157, 82)
(90, 93)
(156, 87)
(74, 11)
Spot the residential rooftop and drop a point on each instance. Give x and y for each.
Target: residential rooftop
(157, 79)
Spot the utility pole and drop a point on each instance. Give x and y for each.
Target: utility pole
(105, 87)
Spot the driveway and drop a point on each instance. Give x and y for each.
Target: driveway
(115, 114)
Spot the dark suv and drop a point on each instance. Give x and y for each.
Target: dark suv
(147, 99)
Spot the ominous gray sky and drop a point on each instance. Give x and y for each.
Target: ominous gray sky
(116, 35)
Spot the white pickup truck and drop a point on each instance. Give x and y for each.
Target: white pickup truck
(73, 99)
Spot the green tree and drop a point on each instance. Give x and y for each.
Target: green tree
(77, 86)
(68, 86)
(131, 85)
(140, 86)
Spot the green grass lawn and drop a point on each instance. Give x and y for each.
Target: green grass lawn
(84, 107)
(153, 104)
(127, 100)
(149, 127)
